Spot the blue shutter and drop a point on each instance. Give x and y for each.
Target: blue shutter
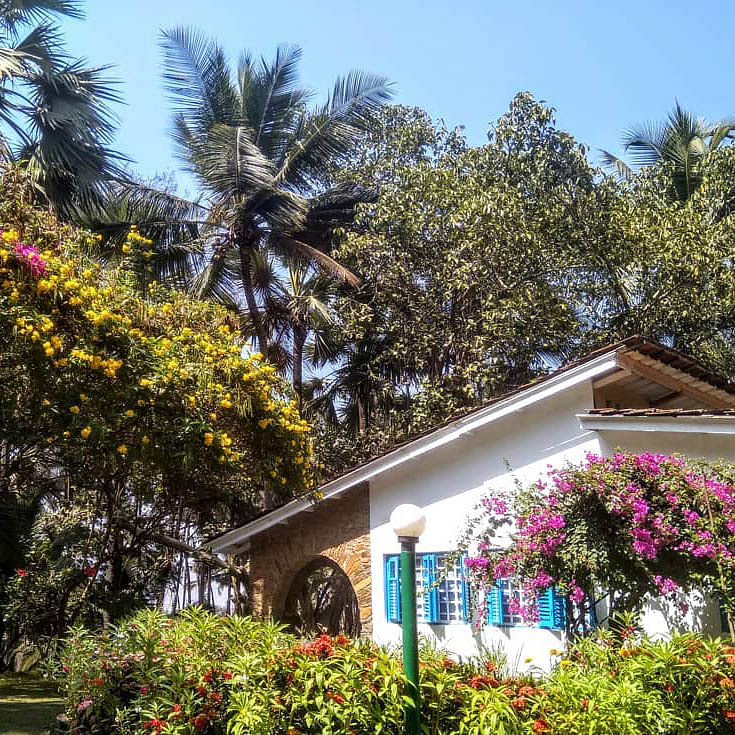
(431, 592)
(545, 605)
(560, 611)
(495, 604)
(393, 588)
(466, 612)
(552, 612)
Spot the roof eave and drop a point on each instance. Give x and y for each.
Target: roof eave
(674, 424)
(461, 427)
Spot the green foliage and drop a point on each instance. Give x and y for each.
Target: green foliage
(465, 248)
(624, 526)
(201, 673)
(125, 418)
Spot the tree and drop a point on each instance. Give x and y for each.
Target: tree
(622, 527)
(258, 153)
(135, 415)
(681, 144)
(55, 110)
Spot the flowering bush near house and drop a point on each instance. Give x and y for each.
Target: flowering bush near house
(130, 412)
(198, 673)
(628, 525)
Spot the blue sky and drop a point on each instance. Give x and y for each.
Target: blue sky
(602, 65)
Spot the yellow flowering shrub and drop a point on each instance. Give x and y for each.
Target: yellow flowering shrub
(150, 388)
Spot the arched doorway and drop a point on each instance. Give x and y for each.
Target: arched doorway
(322, 600)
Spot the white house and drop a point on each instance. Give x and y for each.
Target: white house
(333, 563)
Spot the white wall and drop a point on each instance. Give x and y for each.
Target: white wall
(450, 481)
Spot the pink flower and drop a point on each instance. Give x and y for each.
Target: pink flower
(30, 257)
(665, 585)
(84, 705)
(22, 573)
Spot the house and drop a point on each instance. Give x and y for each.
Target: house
(334, 563)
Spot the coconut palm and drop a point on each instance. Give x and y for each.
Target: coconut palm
(54, 112)
(259, 154)
(297, 300)
(682, 142)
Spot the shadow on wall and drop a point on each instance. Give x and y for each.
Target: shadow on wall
(693, 611)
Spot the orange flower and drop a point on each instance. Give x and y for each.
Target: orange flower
(541, 726)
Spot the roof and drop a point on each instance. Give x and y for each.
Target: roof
(662, 412)
(599, 363)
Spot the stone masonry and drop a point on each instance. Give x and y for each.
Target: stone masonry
(338, 529)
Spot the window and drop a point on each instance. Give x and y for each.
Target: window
(551, 605)
(442, 594)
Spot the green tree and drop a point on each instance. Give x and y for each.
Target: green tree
(55, 111)
(258, 152)
(681, 143)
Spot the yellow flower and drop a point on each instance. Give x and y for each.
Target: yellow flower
(265, 423)
(566, 662)
(212, 416)
(85, 432)
(225, 403)
(74, 410)
(82, 397)
(45, 402)
(130, 413)
(122, 449)
(208, 439)
(145, 441)
(144, 382)
(126, 248)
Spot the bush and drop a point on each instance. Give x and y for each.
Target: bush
(198, 673)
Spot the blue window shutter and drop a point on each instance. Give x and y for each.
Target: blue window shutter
(495, 604)
(431, 592)
(466, 612)
(393, 588)
(560, 611)
(545, 606)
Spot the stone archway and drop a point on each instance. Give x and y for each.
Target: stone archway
(321, 599)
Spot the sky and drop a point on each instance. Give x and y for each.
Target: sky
(602, 65)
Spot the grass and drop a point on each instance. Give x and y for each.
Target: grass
(28, 706)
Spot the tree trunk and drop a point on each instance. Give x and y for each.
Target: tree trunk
(246, 250)
(299, 339)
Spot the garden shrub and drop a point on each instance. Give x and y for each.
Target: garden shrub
(199, 673)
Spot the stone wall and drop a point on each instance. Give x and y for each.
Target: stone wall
(338, 529)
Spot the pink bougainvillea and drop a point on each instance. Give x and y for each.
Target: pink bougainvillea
(630, 524)
(31, 258)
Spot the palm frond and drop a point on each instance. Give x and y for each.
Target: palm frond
(334, 129)
(197, 80)
(228, 162)
(616, 166)
(15, 14)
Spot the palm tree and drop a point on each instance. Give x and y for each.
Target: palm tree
(297, 300)
(54, 110)
(259, 154)
(682, 141)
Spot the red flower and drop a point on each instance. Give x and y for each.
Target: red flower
(97, 682)
(227, 675)
(208, 676)
(144, 690)
(215, 697)
(22, 573)
(200, 722)
(90, 571)
(541, 726)
(729, 714)
(202, 690)
(176, 712)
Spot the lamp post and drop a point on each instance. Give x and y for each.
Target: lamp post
(408, 522)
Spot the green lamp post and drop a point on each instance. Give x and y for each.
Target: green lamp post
(408, 522)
